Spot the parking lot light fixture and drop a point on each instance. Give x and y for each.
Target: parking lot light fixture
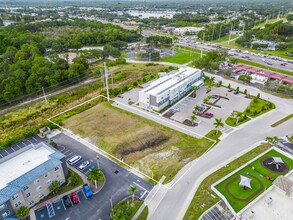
(98, 162)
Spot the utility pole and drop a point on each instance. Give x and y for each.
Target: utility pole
(220, 30)
(230, 34)
(98, 162)
(149, 57)
(44, 94)
(204, 33)
(213, 32)
(107, 87)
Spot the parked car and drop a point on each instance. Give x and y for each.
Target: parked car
(74, 160)
(120, 96)
(214, 96)
(87, 191)
(177, 109)
(74, 198)
(91, 168)
(208, 114)
(236, 92)
(84, 165)
(230, 90)
(66, 201)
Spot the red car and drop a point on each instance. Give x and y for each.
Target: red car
(208, 114)
(74, 198)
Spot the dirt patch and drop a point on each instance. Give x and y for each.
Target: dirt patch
(146, 141)
(168, 115)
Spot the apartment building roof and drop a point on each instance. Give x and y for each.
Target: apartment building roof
(23, 166)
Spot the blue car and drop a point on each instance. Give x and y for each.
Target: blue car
(87, 191)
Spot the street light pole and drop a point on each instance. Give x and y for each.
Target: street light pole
(98, 162)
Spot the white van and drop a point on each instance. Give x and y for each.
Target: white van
(74, 160)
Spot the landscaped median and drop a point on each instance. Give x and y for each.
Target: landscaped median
(282, 120)
(202, 199)
(256, 108)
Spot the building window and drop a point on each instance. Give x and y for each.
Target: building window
(25, 188)
(56, 168)
(31, 202)
(58, 175)
(14, 197)
(17, 204)
(47, 174)
(38, 188)
(28, 195)
(5, 214)
(3, 206)
(49, 181)
(41, 195)
(36, 181)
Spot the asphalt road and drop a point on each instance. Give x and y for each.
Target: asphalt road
(257, 58)
(118, 181)
(173, 203)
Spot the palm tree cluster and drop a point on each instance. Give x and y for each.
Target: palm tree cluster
(218, 123)
(272, 140)
(94, 176)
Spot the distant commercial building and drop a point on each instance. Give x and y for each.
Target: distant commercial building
(26, 174)
(170, 88)
(190, 30)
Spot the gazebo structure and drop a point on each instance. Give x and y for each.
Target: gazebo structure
(277, 161)
(245, 182)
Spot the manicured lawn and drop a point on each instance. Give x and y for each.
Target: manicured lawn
(151, 147)
(265, 67)
(182, 56)
(125, 209)
(203, 193)
(282, 120)
(232, 121)
(214, 134)
(144, 214)
(237, 197)
(291, 139)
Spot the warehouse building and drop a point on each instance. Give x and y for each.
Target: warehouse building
(26, 174)
(170, 88)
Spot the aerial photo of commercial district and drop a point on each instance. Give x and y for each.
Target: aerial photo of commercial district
(146, 109)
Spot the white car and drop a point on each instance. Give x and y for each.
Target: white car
(84, 165)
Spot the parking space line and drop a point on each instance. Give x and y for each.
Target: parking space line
(6, 152)
(29, 141)
(63, 204)
(84, 194)
(66, 151)
(12, 149)
(23, 143)
(140, 186)
(69, 154)
(18, 146)
(35, 139)
(1, 155)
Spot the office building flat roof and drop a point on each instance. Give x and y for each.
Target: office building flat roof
(22, 163)
(170, 80)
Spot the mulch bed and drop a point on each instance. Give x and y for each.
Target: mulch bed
(168, 115)
(60, 148)
(189, 123)
(272, 167)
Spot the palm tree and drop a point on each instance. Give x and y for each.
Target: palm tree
(196, 109)
(218, 123)
(193, 118)
(194, 88)
(132, 190)
(22, 212)
(54, 187)
(94, 176)
(275, 140)
(74, 179)
(237, 115)
(269, 140)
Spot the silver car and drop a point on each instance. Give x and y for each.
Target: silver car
(84, 165)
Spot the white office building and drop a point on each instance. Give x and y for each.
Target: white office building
(170, 88)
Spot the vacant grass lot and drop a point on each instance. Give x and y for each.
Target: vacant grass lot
(183, 56)
(149, 146)
(26, 121)
(237, 197)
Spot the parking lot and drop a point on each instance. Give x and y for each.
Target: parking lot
(186, 106)
(118, 182)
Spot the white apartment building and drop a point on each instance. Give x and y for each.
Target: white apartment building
(26, 174)
(170, 88)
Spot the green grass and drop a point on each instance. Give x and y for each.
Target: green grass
(232, 121)
(269, 21)
(223, 39)
(250, 63)
(257, 171)
(125, 209)
(291, 139)
(144, 214)
(282, 120)
(66, 188)
(214, 135)
(182, 56)
(202, 195)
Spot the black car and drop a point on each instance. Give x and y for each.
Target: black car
(67, 201)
